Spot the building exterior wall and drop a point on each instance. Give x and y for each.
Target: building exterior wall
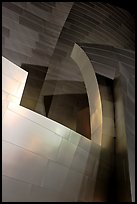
(125, 95)
(30, 30)
(42, 160)
(122, 162)
(44, 34)
(104, 185)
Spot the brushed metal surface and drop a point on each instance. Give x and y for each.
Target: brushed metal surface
(87, 71)
(33, 137)
(66, 153)
(11, 186)
(22, 164)
(55, 176)
(79, 161)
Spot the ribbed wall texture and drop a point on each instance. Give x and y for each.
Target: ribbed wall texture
(94, 23)
(30, 30)
(44, 33)
(106, 59)
(91, 23)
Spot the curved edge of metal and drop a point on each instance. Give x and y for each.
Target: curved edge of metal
(86, 68)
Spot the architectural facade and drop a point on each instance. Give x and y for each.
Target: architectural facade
(68, 102)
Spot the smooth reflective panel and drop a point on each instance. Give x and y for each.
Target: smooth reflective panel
(33, 137)
(87, 71)
(41, 154)
(21, 164)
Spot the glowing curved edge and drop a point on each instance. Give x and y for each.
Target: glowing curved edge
(87, 71)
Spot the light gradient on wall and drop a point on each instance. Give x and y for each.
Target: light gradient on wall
(43, 160)
(87, 71)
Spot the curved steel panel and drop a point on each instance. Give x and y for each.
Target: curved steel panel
(87, 71)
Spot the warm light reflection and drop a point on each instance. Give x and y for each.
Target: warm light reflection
(87, 71)
(19, 91)
(13, 80)
(13, 106)
(29, 145)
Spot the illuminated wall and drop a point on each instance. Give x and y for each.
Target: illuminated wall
(119, 65)
(128, 93)
(44, 33)
(13, 82)
(87, 71)
(125, 130)
(105, 189)
(42, 160)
